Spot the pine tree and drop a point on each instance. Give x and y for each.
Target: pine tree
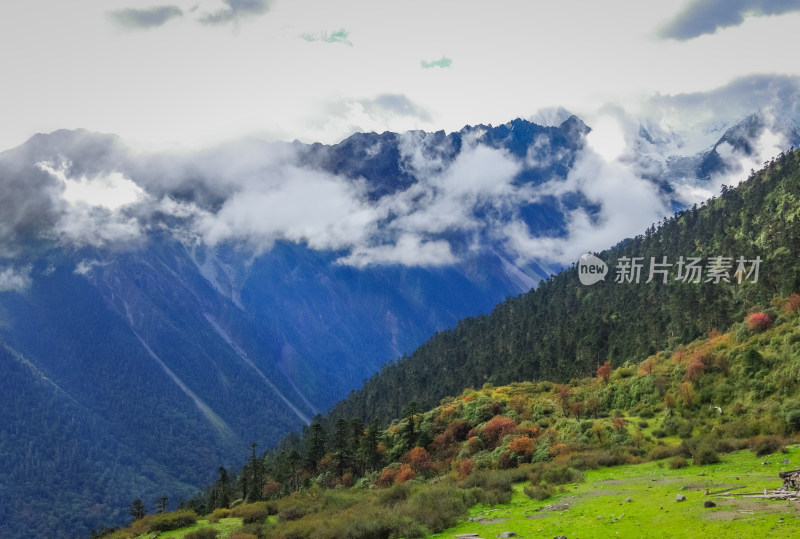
(137, 509)
(340, 445)
(409, 412)
(315, 445)
(161, 504)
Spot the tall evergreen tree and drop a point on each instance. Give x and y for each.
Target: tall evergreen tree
(317, 439)
(340, 445)
(161, 504)
(137, 509)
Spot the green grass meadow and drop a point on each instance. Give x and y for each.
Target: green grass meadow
(597, 507)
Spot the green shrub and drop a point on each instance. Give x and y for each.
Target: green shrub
(437, 507)
(248, 531)
(492, 487)
(670, 425)
(613, 458)
(729, 445)
(704, 455)
(685, 430)
(677, 462)
(395, 494)
(203, 533)
(538, 492)
(562, 476)
(793, 420)
(766, 445)
(661, 452)
(242, 535)
(583, 461)
(172, 521)
(289, 514)
(253, 512)
(218, 514)
(385, 525)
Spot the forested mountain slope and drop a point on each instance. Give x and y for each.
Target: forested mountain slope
(565, 329)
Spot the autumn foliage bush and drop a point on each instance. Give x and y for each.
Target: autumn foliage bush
(395, 475)
(694, 370)
(496, 428)
(465, 467)
(523, 446)
(418, 459)
(793, 303)
(604, 371)
(758, 321)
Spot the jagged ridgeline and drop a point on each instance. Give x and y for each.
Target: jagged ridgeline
(565, 329)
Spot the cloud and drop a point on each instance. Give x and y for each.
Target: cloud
(394, 104)
(458, 196)
(455, 194)
(707, 16)
(84, 267)
(304, 206)
(731, 102)
(464, 197)
(625, 202)
(338, 36)
(91, 210)
(347, 116)
(111, 191)
(443, 62)
(139, 19)
(236, 10)
(414, 226)
(770, 142)
(14, 279)
(550, 116)
(409, 250)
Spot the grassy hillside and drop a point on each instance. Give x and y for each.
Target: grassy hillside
(589, 443)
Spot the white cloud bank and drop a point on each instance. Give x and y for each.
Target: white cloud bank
(92, 190)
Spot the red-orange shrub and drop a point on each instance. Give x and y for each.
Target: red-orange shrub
(404, 474)
(523, 446)
(418, 459)
(793, 303)
(694, 370)
(758, 321)
(387, 476)
(497, 427)
(465, 467)
(604, 371)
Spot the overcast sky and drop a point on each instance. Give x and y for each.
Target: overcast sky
(175, 72)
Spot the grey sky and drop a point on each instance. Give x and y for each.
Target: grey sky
(205, 71)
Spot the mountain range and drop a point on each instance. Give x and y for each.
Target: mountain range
(161, 311)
